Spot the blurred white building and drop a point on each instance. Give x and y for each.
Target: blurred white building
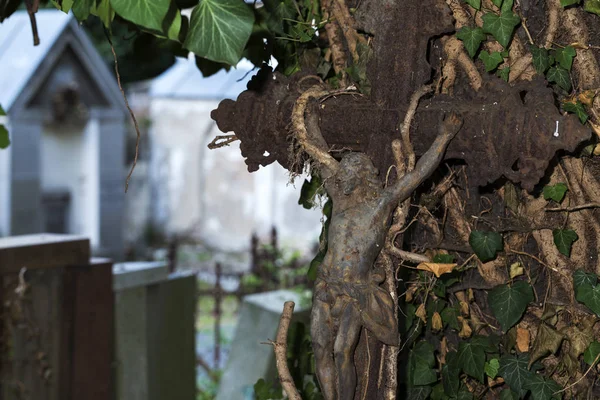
(210, 193)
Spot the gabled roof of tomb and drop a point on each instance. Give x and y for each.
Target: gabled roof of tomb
(23, 65)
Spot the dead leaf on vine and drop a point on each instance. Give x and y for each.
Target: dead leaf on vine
(421, 313)
(587, 97)
(547, 341)
(580, 46)
(443, 350)
(595, 128)
(436, 322)
(495, 382)
(436, 268)
(465, 331)
(410, 293)
(523, 338)
(464, 308)
(516, 269)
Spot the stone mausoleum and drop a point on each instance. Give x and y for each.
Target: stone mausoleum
(64, 171)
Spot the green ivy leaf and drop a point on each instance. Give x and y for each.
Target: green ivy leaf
(542, 388)
(565, 57)
(592, 6)
(508, 303)
(590, 296)
(64, 5)
(486, 244)
(476, 4)
(578, 109)
(265, 391)
(81, 9)
(418, 392)
(541, 59)
(4, 137)
(591, 353)
(451, 374)
(560, 76)
(158, 16)
(443, 258)
(582, 278)
(491, 61)
(508, 394)
(504, 73)
(450, 317)
(471, 359)
(566, 3)
(219, 30)
(555, 192)
(309, 190)
(514, 371)
(464, 394)
(497, 3)
(421, 362)
(564, 239)
(507, 6)
(103, 10)
(472, 38)
(501, 26)
(491, 367)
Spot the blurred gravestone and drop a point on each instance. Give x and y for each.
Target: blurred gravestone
(249, 360)
(154, 332)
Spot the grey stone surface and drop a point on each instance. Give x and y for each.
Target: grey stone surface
(249, 360)
(136, 274)
(154, 333)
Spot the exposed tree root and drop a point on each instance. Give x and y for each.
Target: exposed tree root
(454, 49)
(585, 64)
(554, 9)
(338, 55)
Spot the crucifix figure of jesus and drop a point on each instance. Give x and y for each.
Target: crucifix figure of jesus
(347, 293)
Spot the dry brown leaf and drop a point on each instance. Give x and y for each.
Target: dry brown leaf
(408, 297)
(495, 382)
(436, 322)
(464, 308)
(471, 295)
(436, 268)
(587, 97)
(465, 331)
(579, 45)
(421, 313)
(523, 339)
(443, 350)
(595, 128)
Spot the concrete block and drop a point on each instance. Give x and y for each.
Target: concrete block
(137, 274)
(249, 360)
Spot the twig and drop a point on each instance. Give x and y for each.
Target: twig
(583, 376)
(407, 255)
(405, 127)
(31, 10)
(575, 208)
(226, 139)
(135, 123)
(280, 348)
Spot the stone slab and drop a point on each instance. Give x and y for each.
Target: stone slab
(136, 274)
(44, 250)
(249, 360)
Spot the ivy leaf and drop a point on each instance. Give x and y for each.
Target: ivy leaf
(504, 73)
(158, 16)
(451, 374)
(472, 38)
(471, 359)
(547, 341)
(563, 239)
(486, 244)
(578, 109)
(565, 57)
(219, 30)
(501, 26)
(450, 317)
(541, 59)
(81, 9)
(4, 137)
(582, 278)
(497, 3)
(443, 258)
(418, 392)
(508, 394)
(491, 367)
(476, 4)
(421, 362)
(464, 394)
(491, 61)
(507, 6)
(514, 371)
(590, 296)
(592, 6)
(555, 192)
(309, 191)
(508, 303)
(591, 353)
(542, 388)
(566, 3)
(560, 76)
